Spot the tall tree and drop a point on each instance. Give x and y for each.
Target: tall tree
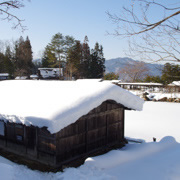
(2, 67)
(23, 57)
(28, 56)
(57, 45)
(74, 57)
(49, 59)
(9, 63)
(85, 58)
(69, 42)
(97, 60)
(171, 72)
(19, 57)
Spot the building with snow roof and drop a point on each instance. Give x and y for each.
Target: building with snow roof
(57, 122)
(174, 87)
(4, 76)
(50, 73)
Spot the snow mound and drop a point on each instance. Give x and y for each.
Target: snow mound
(168, 140)
(57, 104)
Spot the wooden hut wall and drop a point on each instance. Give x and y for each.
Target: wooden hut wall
(17, 138)
(46, 146)
(101, 127)
(30, 141)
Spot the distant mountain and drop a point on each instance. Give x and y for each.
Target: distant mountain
(115, 65)
(36, 61)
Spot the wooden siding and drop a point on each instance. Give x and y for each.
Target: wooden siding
(102, 127)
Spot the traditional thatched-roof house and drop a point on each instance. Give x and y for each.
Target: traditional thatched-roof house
(56, 122)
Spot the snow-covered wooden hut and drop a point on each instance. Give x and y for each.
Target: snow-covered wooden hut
(57, 122)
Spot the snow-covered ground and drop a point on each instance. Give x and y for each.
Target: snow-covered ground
(147, 161)
(156, 95)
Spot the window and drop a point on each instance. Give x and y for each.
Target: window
(1, 128)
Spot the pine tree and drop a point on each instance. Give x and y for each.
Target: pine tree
(69, 41)
(49, 59)
(170, 73)
(74, 57)
(57, 46)
(23, 57)
(9, 65)
(97, 60)
(19, 57)
(85, 59)
(2, 67)
(28, 56)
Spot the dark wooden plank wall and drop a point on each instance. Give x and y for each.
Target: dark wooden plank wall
(18, 138)
(101, 127)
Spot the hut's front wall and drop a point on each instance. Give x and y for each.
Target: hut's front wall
(28, 141)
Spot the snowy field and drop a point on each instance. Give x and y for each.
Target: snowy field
(147, 161)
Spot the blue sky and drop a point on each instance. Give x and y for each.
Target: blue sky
(77, 18)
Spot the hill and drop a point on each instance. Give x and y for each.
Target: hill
(117, 64)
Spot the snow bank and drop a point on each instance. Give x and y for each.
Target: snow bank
(130, 153)
(158, 119)
(56, 104)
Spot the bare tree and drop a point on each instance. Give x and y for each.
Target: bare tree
(152, 29)
(134, 72)
(7, 14)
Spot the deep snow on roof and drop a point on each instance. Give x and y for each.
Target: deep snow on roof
(177, 83)
(57, 104)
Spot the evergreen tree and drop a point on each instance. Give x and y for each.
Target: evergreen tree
(170, 73)
(85, 59)
(2, 68)
(28, 56)
(97, 60)
(74, 57)
(19, 57)
(23, 57)
(155, 79)
(69, 42)
(49, 59)
(8, 63)
(57, 46)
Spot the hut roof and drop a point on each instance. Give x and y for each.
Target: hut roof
(57, 104)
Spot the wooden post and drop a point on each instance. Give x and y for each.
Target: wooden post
(107, 129)
(36, 144)
(5, 133)
(86, 135)
(25, 138)
(123, 123)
